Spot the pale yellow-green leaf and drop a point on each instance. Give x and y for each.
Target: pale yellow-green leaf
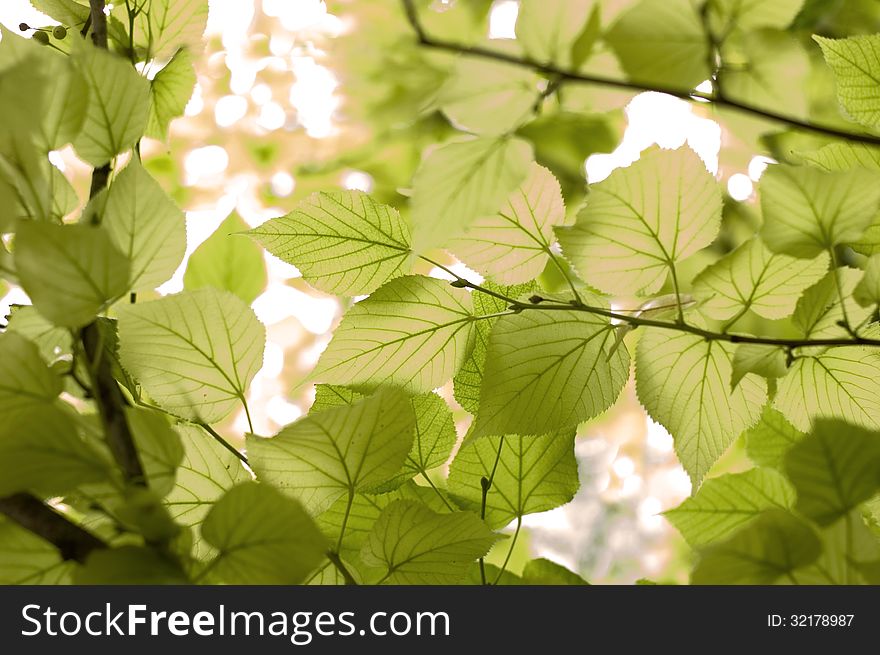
(856, 65)
(548, 29)
(867, 291)
(819, 311)
(170, 91)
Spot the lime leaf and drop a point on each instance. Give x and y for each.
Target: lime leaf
(844, 157)
(145, 225)
(767, 361)
(642, 220)
(52, 342)
(461, 181)
(343, 242)
(867, 291)
(544, 572)
(66, 12)
(549, 29)
(163, 26)
(528, 475)
(769, 440)
(414, 545)
(724, 504)
(420, 330)
(228, 261)
(548, 371)
(262, 537)
(512, 245)
(857, 71)
(807, 211)
(819, 310)
(25, 380)
(752, 14)
(837, 383)
(683, 381)
(769, 548)
(170, 92)
(26, 559)
(834, 469)
(661, 42)
(119, 104)
(129, 565)
(753, 278)
(346, 449)
(70, 272)
(194, 352)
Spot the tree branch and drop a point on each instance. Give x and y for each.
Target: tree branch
(99, 23)
(73, 542)
(689, 95)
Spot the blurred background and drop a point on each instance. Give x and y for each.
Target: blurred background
(295, 96)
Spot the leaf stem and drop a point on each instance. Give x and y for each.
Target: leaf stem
(341, 567)
(228, 446)
(509, 550)
(485, 485)
(437, 491)
(345, 520)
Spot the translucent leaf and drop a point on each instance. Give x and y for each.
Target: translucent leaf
(767, 361)
(346, 449)
(819, 310)
(262, 537)
(544, 572)
(41, 452)
(683, 381)
(512, 245)
(766, 551)
(867, 291)
(642, 220)
(751, 14)
(807, 210)
(834, 469)
(52, 342)
(66, 12)
(208, 470)
(70, 272)
(848, 550)
(752, 277)
(170, 91)
(420, 330)
(159, 446)
(129, 565)
(228, 261)
(146, 226)
(724, 504)
(857, 71)
(769, 440)
(414, 545)
(531, 474)
(163, 26)
(661, 42)
(25, 380)
(26, 559)
(119, 104)
(343, 242)
(548, 371)
(844, 157)
(549, 29)
(837, 383)
(461, 181)
(194, 352)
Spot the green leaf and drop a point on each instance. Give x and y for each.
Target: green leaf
(346, 449)
(208, 470)
(52, 342)
(819, 310)
(163, 26)
(158, 445)
(767, 361)
(549, 29)
(119, 104)
(461, 181)
(845, 156)
(129, 565)
(489, 97)
(194, 352)
(683, 381)
(753, 278)
(807, 211)
(548, 371)
(170, 92)
(752, 14)
(262, 537)
(513, 245)
(724, 504)
(642, 220)
(837, 383)
(41, 452)
(531, 474)
(469, 379)
(834, 469)
(867, 291)
(146, 226)
(414, 545)
(769, 440)
(66, 12)
(544, 572)
(342, 242)
(420, 330)
(26, 559)
(768, 549)
(661, 42)
(857, 71)
(228, 261)
(70, 272)
(848, 548)
(25, 380)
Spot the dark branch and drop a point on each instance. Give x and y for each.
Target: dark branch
(583, 78)
(73, 542)
(99, 23)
